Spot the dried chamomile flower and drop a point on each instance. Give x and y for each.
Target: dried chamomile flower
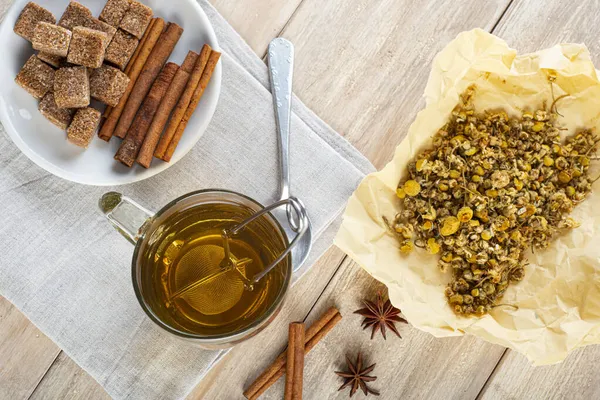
(450, 226)
(501, 223)
(570, 223)
(407, 247)
(430, 214)
(433, 246)
(565, 176)
(412, 188)
(490, 188)
(500, 179)
(486, 234)
(405, 231)
(465, 214)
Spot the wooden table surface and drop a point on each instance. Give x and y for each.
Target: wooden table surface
(362, 66)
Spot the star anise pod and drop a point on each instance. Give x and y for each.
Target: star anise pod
(380, 315)
(358, 377)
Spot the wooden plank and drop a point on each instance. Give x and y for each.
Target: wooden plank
(257, 21)
(246, 361)
(528, 27)
(362, 66)
(576, 378)
(25, 353)
(66, 380)
(205, 385)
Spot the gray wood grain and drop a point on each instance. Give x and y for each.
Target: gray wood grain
(576, 378)
(257, 21)
(531, 25)
(25, 353)
(66, 380)
(362, 65)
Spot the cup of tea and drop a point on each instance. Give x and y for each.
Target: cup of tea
(178, 270)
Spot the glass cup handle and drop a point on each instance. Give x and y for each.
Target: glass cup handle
(128, 217)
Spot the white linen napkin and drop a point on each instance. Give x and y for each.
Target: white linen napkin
(66, 268)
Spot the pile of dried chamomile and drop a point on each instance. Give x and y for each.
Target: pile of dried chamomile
(488, 189)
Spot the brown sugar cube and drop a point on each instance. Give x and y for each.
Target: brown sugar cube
(36, 77)
(87, 47)
(136, 19)
(76, 14)
(120, 50)
(113, 12)
(60, 117)
(98, 25)
(72, 87)
(31, 15)
(108, 84)
(51, 59)
(51, 39)
(84, 125)
(66, 64)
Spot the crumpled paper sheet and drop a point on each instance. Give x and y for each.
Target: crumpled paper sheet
(559, 298)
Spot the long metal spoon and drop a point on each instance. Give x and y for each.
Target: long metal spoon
(281, 67)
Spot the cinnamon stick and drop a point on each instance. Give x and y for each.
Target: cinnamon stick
(131, 62)
(289, 359)
(156, 60)
(164, 110)
(141, 44)
(184, 102)
(154, 33)
(295, 362)
(276, 370)
(190, 61)
(130, 147)
(107, 111)
(206, 75)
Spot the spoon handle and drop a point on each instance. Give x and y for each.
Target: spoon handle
(281, 67)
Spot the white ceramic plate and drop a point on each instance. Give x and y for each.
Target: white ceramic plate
(47, 145)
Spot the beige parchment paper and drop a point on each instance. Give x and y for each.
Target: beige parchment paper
(559, 298)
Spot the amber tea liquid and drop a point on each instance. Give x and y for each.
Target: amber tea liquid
(188, 248)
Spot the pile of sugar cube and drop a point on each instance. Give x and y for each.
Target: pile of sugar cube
(79, 58)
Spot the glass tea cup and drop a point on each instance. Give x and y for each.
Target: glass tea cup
(175, 267)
